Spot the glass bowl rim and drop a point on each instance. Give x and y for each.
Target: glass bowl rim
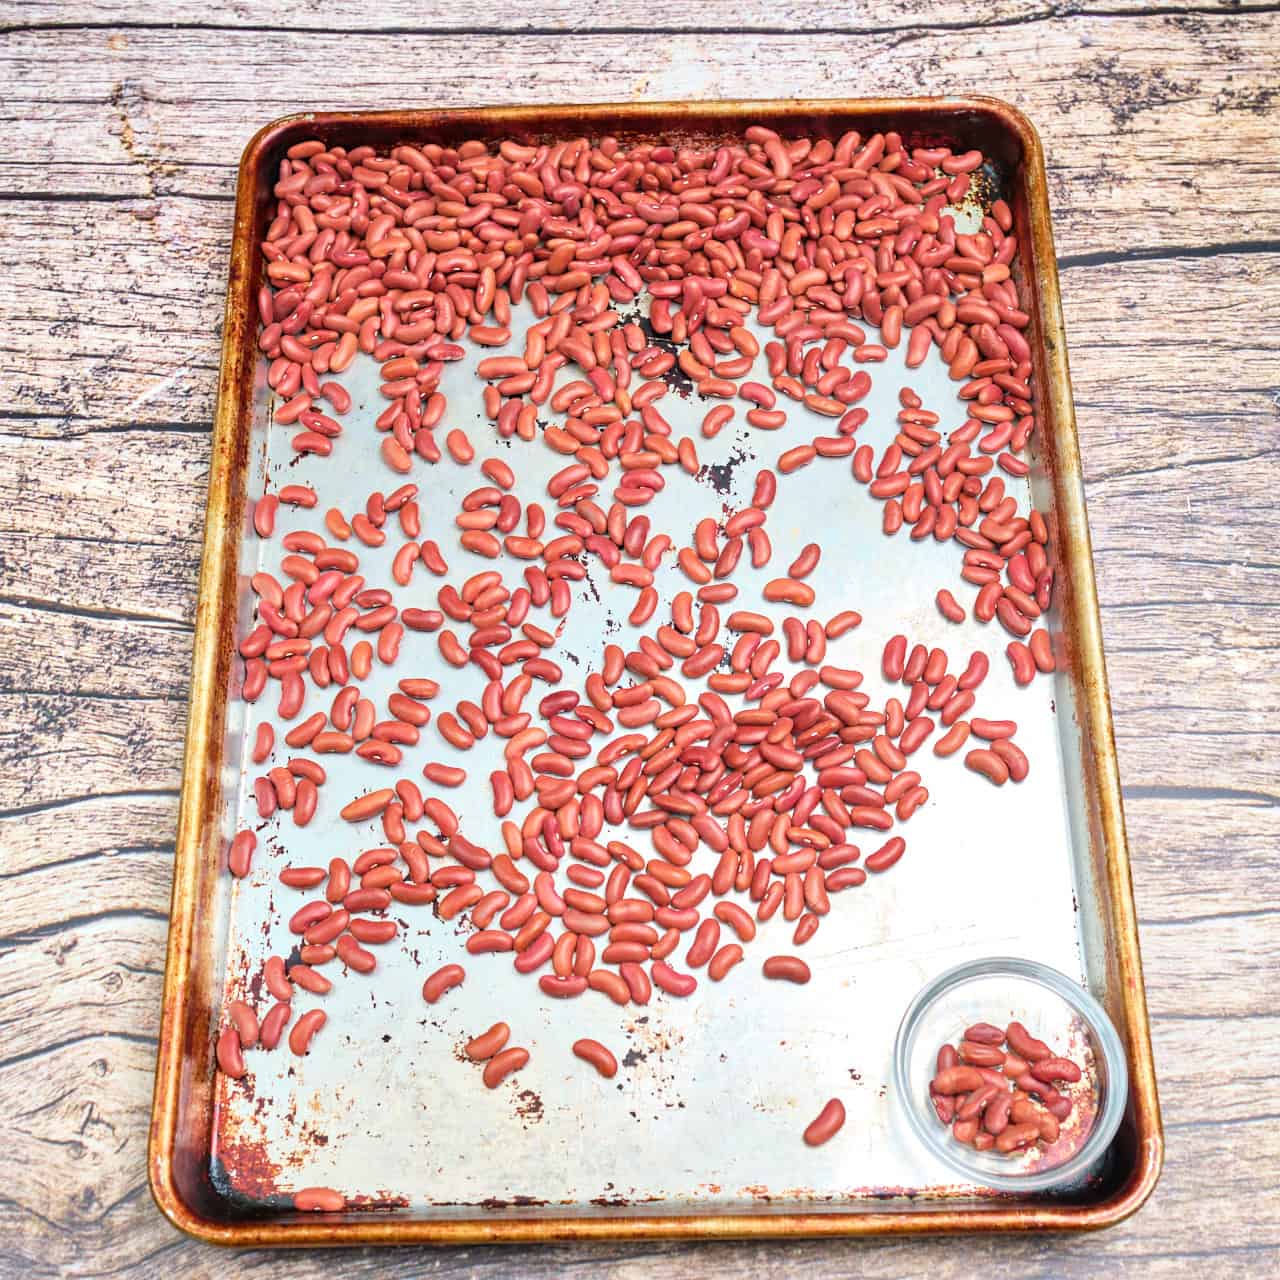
(935, 1137)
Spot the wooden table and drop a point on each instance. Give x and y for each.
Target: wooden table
(124, 126)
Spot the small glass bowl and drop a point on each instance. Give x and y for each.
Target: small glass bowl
(1053, 1009)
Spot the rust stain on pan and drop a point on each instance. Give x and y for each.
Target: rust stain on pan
(182, 1119)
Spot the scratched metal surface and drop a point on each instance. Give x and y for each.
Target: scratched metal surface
(714, 1091)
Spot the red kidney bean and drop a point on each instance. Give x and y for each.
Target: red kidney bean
(953, 739)
(829, 1122)
(502, 1064)
(990, 765)
(787, 968)
(984, 1033)
(993, 729)
(737, 919)
(704, 945)
(893, 662)
(723, 961)
(1052, 1069)
(273, 1024)
(1020, 659)
(949, 607)
(240, 854)
(671, 981)
(229, 1054)
(1017, 1136)
(305, 1029)
(1041, 649)
(273, 975)
(598, 1056)
(309, 979)
(973, 1106)
(978, 1054)
(1014, 758)
(488, 1043)
(975, 673)
(319, 1199)
(886, 855)
(805, 563)
(245, 1022)
(957, 1079)
(451, 975)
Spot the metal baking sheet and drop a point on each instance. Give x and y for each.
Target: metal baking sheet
(702, 1123)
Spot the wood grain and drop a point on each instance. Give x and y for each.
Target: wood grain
(125, 124)
(1123, 103)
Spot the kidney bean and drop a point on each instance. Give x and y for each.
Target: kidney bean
(598, 1056)
(829, 1122)
(973, 1106)
(273, 1024)
(245, 1022)
(995, 1117)
(894, 659)
(1041, 649)
(975, 673)
(737, 919)
(990, 765)
(956, 1079)
(949, 607)
(1025, 1045)
(240, 854)
(367, 806)
(273, 975)
(488, 1043)
(305, 1029)
(723, 961)
(787, 968)
(229, 1054)
(501, 1065)
(451, 975)
(319, 1199)
(1020, 659)
(984, 1033)
(309, 979)
(671, 981)
(885, 856)
(1052, 1069)
(980, 1054)
(1017, 1136)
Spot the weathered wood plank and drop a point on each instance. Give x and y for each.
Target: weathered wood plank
(99, 978)
(409, 17)
(54, 747)
(105, 824)
(160, 112)
(92, 655)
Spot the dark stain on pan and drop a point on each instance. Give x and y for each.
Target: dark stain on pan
(529, 1107)
(719, 475)
(675, 377)
(241, 1170)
